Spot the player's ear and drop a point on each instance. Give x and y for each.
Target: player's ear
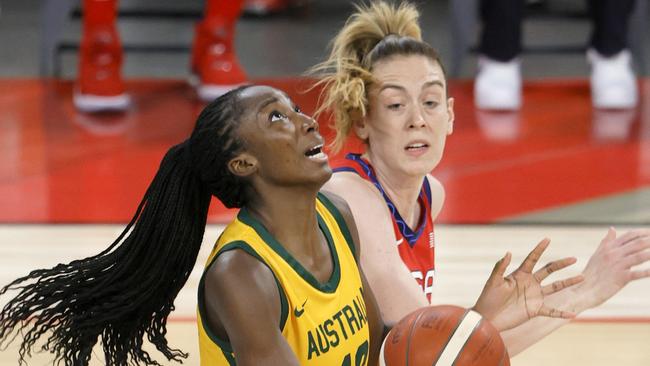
(360, 125)
(243, 165)
(450, 116)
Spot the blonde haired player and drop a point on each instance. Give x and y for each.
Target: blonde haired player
(387, 86)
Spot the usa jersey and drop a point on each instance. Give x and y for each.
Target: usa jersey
(416, 246)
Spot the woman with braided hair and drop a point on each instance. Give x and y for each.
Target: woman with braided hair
(281, 286)
(285, 263)
(388, 87)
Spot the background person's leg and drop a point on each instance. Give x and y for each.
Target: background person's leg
(213, 53)
(501, 33)
(613, 84)
(99, 83)
(610, 25)
(498, 82)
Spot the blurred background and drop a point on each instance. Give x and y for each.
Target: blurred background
(556, 167)
(293, 41)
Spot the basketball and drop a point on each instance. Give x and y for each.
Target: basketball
(444, 335)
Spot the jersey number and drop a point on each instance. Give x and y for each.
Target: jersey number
(426, 281)
(361, 358)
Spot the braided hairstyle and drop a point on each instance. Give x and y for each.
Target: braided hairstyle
(373, 33)
(127, 291)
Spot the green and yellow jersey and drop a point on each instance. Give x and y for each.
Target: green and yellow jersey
(323, 323)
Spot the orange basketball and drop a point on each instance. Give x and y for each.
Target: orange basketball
(444, 335)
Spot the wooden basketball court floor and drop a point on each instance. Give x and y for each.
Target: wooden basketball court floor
(557, 169)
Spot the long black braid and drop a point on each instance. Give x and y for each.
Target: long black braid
(128, 290)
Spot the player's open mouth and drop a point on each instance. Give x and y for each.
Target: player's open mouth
(316, 153)
(416, 146)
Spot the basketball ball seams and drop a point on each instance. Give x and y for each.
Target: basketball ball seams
(395, 342)
(410, 336)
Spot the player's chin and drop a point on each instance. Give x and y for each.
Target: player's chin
(321, 175)
(420, 167)
(325, 173)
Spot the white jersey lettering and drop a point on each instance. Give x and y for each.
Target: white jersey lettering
(425, 281)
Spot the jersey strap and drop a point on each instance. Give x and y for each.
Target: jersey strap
(362, 167)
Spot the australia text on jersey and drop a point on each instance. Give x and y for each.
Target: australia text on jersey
(337, 328)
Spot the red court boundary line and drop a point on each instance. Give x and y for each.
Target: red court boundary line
(620, 320)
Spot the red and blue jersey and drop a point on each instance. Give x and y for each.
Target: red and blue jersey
(416, 246)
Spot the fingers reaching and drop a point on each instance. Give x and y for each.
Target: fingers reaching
(636, 259)
(636, 245)
(501, 266)
(636, 275)
(533, 257)
(611, 234)
(632, 236)
(609, 237)
(560, 285)
(551, 267)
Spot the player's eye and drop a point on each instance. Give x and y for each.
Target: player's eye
(276, 116)
(431, 103)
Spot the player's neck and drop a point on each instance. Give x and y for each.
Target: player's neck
(403, 190)
(290, 216)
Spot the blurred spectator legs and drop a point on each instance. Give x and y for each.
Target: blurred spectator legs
(213, 57)
(99, 84)
(498, 82)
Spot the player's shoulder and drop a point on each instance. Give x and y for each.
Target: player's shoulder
(241, 293)
(348, 177)
(370, 213)
(237, 267)
(352, 188)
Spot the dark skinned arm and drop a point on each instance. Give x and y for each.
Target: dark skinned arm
(242, 301)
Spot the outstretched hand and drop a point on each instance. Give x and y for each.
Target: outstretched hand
(510, 301)
(610, 268)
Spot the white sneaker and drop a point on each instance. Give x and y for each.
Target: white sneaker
(613, 84)
(498, 84)
(100, 103)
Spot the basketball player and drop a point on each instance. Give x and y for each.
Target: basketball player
(387, 86)
(281, 286)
